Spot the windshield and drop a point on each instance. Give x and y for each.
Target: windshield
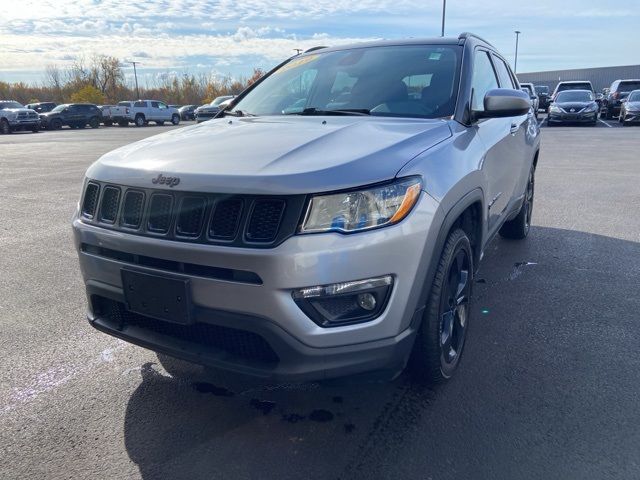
(575, 96)
(542, 89)
(634, 96)
(219, 100)
(5, 105)
(59, 108)
(403, 81)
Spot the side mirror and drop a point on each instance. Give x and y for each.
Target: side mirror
(504, 102)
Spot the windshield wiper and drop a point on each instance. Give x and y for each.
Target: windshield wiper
(344, 111)
(238, 113)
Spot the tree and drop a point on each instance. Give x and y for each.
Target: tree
(88, 94)
(258, 73)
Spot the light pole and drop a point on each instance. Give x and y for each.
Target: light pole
(444, 10)
(515, 63)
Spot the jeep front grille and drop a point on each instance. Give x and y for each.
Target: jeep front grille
(236, 220)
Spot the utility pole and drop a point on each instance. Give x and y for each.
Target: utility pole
(515, 63)
(135, 74)
(444, 10)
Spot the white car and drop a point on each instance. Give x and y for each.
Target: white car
(141, 112)
(13, 116)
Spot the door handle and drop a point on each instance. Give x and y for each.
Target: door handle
(514, 128)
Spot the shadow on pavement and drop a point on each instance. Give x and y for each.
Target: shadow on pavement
(547, 388)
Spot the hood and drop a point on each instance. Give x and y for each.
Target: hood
(18, 110)
(274, 155)
(208, 108)
(633, 105)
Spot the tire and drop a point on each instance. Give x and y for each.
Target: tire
(175, 119)
(140, 121)
(160, 123)
(519, 227)
(441, 338)
(35, 129)
(56, 124)
(5, 128)
(94, 122)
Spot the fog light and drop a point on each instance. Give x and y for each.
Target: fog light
(367, 301)
(345, 303)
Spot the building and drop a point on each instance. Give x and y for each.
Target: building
(600, 78)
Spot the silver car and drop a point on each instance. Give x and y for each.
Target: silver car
(329, 223)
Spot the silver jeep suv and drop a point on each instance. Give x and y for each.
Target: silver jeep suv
(329, 222)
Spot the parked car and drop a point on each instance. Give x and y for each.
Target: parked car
(177, 107)
(533, 97)
(543, 96)
(619, 90)
(187, 112)
(42, 107)
(14, 117)
(141, 112)
(354, 227)
(105, 110)
(630, 109)
(75, 115)
(572, 85)
(573, 106)
(208, 111)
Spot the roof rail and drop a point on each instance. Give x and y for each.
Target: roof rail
(313, 49)
(466, 35)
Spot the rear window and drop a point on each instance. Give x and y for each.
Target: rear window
(575, 96)
(542, 89)
(629, 86)
(574, 86)
(140, 104)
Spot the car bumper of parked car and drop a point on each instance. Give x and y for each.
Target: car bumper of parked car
(582, 117)
(24, 124)
(631, 117)
(258, 328)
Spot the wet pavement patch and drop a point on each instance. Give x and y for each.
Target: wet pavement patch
(265, 406)
(321, 416)
(292, 417)
(204, 387)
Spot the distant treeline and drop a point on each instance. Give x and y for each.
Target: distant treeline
(101, 81)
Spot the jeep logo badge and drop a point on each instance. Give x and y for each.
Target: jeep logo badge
(162, 180)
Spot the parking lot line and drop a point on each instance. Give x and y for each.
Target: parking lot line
(600, 120)
(540, 123)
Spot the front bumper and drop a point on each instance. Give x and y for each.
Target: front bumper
(304, 350)
(26, 123)
(581, 117)
(631, 117)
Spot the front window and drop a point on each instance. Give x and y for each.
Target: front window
(398, 81)
(59, 108)
(575, 96)
(219, 100)
(5, 105)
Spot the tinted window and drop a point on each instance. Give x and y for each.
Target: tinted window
(541, 89)
(574, 86)
(140, 104)
(634, 96)
(483, 80)
(503, 73)
(628, 86)
(404, 81)
(154, 105)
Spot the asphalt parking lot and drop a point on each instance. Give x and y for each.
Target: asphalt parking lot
(548, 388)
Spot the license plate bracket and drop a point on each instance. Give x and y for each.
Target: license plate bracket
(158, 296)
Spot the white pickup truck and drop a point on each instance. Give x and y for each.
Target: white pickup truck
(141, 112)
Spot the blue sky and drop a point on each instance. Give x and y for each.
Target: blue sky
(173, 37)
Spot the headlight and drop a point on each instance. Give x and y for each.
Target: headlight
(592, 108)
(554, 108)
(359, 210)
